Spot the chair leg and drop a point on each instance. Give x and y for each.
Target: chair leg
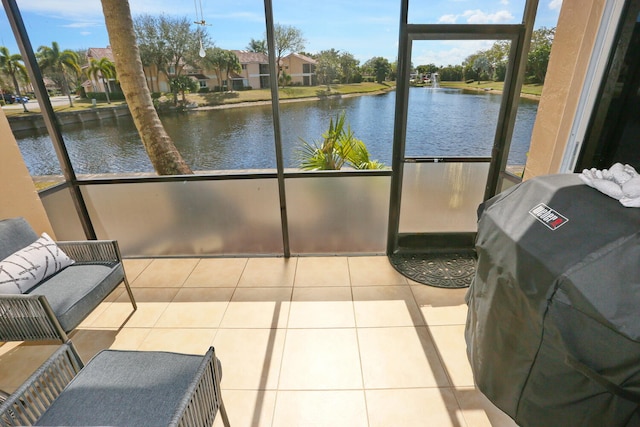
(52, 319)
(126, 285)
(124, 274)
(223, 414)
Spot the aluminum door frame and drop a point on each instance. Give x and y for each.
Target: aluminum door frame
(520, 37)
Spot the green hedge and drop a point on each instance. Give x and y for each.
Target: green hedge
(101, 96)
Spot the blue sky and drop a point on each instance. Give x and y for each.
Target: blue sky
(363, 28)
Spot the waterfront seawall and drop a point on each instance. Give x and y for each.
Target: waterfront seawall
(36, 122)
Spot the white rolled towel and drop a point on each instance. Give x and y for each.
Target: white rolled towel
(630, 202)
(595, 178)
(620, 182)
(618, 173)
(630, 170)
(610, 188)
(631, 188)
(588, 176)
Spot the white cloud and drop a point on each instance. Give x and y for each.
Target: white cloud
(447, 19)
(85, 33)
(504, 2)
(81, 25)
(448, 52)
(157, 7)
(452, 56)
(479, 17)
(555, 4)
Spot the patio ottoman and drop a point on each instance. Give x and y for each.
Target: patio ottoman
(119, 388)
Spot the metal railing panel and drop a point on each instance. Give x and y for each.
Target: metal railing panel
(442, 197)
(335, 214)
(188, 218)
(58, 203)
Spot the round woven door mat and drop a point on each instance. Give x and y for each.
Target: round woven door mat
(443, 270)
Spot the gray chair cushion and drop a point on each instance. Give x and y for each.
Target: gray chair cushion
(76, 291)
(125, 388)
(15, 234)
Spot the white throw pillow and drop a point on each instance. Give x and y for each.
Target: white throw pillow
(27, 267)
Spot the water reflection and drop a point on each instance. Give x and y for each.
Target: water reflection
(441, 122)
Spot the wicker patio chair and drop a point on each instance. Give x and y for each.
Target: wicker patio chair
(136, 388)
(59, 303)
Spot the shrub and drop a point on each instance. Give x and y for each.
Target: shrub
(337, 147)
(203, 90)
(531, 80)
(101, 96)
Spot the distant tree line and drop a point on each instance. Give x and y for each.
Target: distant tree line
(167, 44)
(333, 66)
(491, 64)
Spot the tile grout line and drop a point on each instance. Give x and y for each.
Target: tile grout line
(440, 357)
(355, 322)
(284, 344)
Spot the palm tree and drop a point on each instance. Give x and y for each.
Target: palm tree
(338, 146)
(231, 64)
(63, 62)
(12, 66)
(105, 69)
(162, 152)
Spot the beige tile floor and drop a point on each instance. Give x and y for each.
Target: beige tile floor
(317, 341)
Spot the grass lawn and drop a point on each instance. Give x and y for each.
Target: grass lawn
(82, 104)
(78, 105)
(289, 92)
(221, 98)
(42, 185)
(535, 89)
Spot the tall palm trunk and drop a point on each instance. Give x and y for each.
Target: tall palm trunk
(151, 80)
(17, 86)
(162, 152)
(105, 83)
(65, 86)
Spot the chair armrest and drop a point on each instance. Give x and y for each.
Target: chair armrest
(25, 317)
(92, 250)
(38, 392)
(203, 399)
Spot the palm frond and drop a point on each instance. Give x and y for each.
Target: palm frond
(338, 146)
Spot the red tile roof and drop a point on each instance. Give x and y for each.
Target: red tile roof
(304, 58)
(246, 57)
(100, 52)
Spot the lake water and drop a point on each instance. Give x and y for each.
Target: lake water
(441, 122)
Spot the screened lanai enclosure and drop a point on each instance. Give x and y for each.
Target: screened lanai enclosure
(443, 151)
